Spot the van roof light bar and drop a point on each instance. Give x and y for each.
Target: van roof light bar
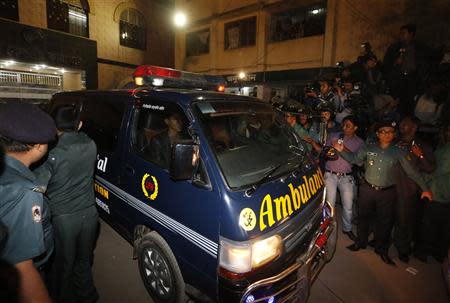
(150, 75)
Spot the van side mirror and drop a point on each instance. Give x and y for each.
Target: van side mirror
(184, 159)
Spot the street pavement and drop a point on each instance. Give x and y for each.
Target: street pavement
(349, 278)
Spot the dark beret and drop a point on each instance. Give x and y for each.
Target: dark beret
(385, 123)
(26, 123)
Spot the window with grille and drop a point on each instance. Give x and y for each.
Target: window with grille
(133, 30)
(298, 22)
(197, 43)
(240, 33)
(9, 10)
(70, 16)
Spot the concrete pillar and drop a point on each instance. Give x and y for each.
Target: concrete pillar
(214, 45)
(329, 44)
(71, 81)
(261, 41)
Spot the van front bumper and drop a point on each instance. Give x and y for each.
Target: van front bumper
(293, 283)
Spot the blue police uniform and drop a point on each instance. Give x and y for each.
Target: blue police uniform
(25, 131)
(23, 211)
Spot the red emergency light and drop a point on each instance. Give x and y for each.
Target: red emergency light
(167, 77)
(150, 70)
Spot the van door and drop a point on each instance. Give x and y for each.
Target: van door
(184, 214)
(102, 121)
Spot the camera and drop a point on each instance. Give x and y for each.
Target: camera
(312, 88)
(366, 46)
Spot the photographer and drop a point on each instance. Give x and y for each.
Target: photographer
(311, 92)
(338, 172)
(327, 93)
(406, 66)
(372, 79)
(346, 91)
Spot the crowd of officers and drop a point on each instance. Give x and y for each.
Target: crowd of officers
(47, 206)
(381, 134)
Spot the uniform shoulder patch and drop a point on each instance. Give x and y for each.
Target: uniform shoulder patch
(36, 213)
(40, 189)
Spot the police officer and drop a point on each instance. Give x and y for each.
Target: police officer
(378, 193)
(434, 236)
(25, 131)
(420, 155)
(68, 174)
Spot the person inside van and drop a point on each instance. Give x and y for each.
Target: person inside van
(161, 144)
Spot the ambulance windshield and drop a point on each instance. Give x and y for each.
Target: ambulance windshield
(249, 139)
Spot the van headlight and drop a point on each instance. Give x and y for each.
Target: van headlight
(243, 257)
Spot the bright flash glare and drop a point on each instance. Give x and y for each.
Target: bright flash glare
(180, 19)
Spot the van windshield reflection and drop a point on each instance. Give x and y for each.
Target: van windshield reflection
(248, 138)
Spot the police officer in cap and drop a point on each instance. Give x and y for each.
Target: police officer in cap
(25, 131)
(377, 194)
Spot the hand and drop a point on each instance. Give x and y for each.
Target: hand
(337, 146)
(311, 94)
(417, 151)
(307, 139)
(428, 195)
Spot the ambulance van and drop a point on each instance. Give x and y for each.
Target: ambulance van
(217, 195)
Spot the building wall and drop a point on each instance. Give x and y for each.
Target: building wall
(376, 21)
(113, 76)
(349, 23)
(116, 62)
(104, 28)
(33, 13)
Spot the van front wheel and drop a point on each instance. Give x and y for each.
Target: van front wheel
(159, 269)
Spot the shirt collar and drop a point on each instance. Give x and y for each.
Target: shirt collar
(19, 167)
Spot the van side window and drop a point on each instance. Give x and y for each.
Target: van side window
(157, 128)
(201, 176)
(102, 121)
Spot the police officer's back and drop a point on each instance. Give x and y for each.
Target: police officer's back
(22, 207)
(68, 174)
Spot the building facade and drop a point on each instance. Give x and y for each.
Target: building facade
(280, 44)
(54, 45)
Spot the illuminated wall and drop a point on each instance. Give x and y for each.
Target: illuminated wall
(348, 24)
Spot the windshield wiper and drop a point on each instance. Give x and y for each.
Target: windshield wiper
(261, 181)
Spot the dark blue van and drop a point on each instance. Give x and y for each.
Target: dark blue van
(217, 195)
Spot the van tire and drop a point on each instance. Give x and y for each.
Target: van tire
(159, 270)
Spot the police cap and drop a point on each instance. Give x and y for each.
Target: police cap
(385, 123)
(26, 123)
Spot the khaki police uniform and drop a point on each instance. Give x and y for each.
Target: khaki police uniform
(434, 237)
(378, 195)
